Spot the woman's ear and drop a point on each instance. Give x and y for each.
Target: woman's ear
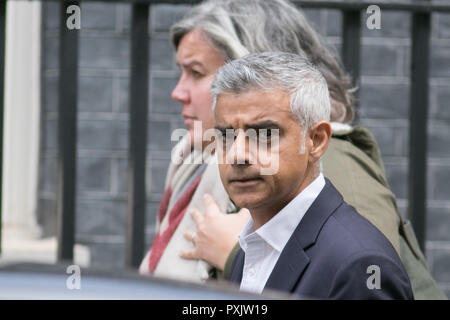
(320, 135)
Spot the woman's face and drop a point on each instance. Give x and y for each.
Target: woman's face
(198, 61)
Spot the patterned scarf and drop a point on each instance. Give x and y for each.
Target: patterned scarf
(176, 214)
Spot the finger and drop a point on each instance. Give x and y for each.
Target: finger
(244, 211)
(190, 235)
(211, 205)
(190, 254)
(197, 216)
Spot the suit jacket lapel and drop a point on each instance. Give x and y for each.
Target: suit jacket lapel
(237, 267)
(289, 267)
(293, 259)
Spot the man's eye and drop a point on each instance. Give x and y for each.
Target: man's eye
(196, 74)
(265, 134)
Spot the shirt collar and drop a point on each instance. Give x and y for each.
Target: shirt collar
(278, 230)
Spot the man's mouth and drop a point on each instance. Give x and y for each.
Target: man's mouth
(245, 182)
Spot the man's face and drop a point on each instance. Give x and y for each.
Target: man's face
(244, 183)
(198, 61)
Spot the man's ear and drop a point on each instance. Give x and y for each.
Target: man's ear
(320, 135)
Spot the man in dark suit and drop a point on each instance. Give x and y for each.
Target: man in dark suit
(301, 237)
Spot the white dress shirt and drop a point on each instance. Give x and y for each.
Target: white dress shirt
(263, 246)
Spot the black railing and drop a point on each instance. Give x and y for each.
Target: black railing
(138, 134)
(67, 136)
(421, 11)
(2, 98)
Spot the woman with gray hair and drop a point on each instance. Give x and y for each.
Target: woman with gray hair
(217, 31)
(237, 28)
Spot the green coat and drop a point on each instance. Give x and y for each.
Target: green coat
(353, 164)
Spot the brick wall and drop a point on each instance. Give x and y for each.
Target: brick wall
(103, 127)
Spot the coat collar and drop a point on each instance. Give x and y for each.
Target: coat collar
(293, 259)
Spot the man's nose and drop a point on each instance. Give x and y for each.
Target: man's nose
(181, 93)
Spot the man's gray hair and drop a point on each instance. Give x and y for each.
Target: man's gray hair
(307, 88)
(239, 27)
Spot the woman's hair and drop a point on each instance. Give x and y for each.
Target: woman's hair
(239, 27)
